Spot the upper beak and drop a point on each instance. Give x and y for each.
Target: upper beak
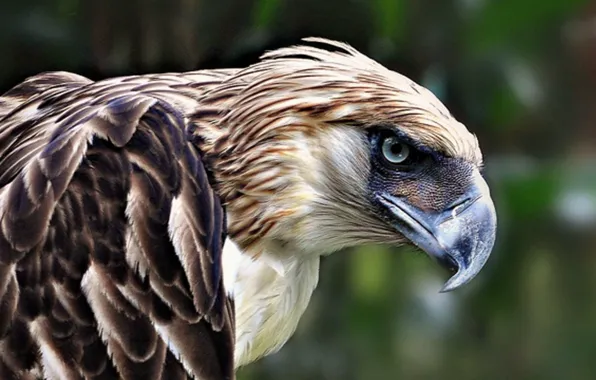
(461, 237)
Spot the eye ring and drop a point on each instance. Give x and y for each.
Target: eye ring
(394, 151)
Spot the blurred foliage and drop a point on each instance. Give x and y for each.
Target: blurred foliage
(519, 73)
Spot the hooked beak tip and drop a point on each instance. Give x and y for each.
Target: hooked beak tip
(460, 238)
(468, 252)
(456, 281)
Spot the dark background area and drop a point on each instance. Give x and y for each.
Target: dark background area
(521, 74)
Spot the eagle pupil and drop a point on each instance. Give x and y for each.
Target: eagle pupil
(396, 149)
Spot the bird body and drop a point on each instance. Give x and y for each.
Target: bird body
(171, 225)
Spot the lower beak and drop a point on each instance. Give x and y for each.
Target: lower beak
(461, 237)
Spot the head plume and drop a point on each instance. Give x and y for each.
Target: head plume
(272, 110)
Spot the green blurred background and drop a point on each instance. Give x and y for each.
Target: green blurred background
(521, 75)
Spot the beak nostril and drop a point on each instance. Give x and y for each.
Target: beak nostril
(462, 204)
(461, 201)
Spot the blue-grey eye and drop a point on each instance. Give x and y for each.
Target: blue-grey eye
(394, 150)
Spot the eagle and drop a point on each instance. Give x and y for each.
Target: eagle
(171, 226)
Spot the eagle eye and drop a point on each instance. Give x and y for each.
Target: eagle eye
(394, 151)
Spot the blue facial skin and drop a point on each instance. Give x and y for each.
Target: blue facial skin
(440, 204)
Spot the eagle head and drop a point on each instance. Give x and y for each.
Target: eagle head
(329, 149)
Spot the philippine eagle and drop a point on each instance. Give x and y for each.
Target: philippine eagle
(170, 226)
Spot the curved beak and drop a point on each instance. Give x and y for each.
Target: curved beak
(461, 237)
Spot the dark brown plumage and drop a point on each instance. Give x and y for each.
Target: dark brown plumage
(97, 182)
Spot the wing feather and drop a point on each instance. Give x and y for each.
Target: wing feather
(110, 233)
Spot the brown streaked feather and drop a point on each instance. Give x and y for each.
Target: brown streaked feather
(111, 193)
(282, 103)
(108, 227)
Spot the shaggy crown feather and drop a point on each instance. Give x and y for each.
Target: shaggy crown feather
(256, 127)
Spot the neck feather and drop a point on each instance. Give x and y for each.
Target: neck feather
(271, 292)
